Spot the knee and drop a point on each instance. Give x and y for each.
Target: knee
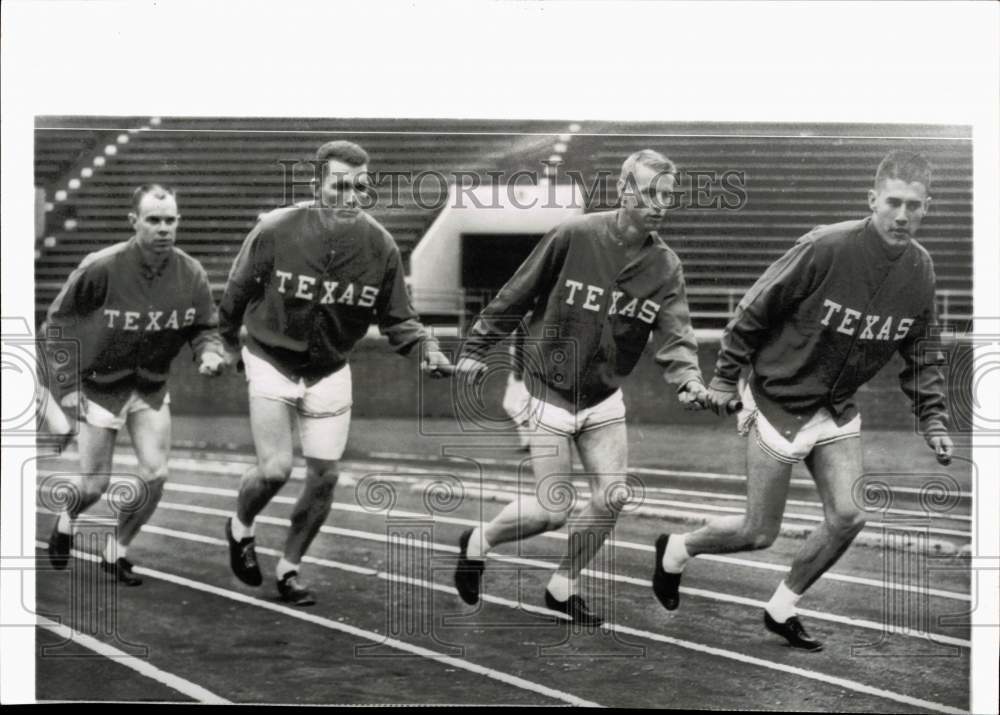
(846, 522)
(759, 536)
(609, 500)
(557, 519)
(93, 486)
(277, 468)
(155, 475)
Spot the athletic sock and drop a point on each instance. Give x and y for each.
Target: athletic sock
(114, 550)
(676, 555)
(240, 530)
(478, 546)
(65, 525)
(782, 605)
(284, 567)
(562, 586)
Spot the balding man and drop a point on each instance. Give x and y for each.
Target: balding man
(130, 307)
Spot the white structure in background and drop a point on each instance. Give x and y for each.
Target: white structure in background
(436, 262)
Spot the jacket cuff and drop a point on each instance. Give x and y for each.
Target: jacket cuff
(722, 384)
(934, 426)
(682, 379)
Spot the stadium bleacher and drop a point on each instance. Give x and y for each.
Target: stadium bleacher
(794, 179)
(230, 170)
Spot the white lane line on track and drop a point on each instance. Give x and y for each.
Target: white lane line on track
(174, 682)
(625, 630)
(719, 476)
(371, 636)
(561, 536)
(678, 509)
(352, 467)
(600, 575)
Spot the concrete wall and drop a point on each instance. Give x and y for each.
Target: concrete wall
(386, 385)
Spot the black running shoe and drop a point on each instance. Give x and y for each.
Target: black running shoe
(60, 546)
(574, 607)
(291, 591)
(793, 632)
(468, 572)
(666, 585)
(243, 558)
(121, 570)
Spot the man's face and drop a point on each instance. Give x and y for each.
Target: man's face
(340, 188)
(646, 195)
(897, 209)
(156, 222)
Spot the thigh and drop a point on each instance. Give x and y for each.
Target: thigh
(767, 481)
(552, 466)
(150, 432)
(97, 447)
(836, 467)
(604, 451)
(271, 426)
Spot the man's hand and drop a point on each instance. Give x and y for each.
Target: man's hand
(693, 395)
(211, 364)
(436, 364)
(942, 446)
(722, 402)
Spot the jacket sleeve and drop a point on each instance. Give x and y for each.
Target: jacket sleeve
(776, 294)
(533, 278)
(678, 354)
(83, 293)
(397, 319)
(922, 377)
(247, 279)
(204, 335)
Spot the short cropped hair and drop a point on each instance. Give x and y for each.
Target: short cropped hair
(906, 166)
(647, 157)
(158, 191)
(345, 151)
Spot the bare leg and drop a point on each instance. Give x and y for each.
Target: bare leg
(97, 448)
(312, 506)
(150, 432)
(767, 491)
(835, 468)
(604, 452)
(271, 425)
(549, 507)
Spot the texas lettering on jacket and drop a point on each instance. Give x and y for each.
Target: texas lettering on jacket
(589, 297)
(149, 320)
(308, 288)
(851, 321)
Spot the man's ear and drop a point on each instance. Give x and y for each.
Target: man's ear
(872, 199)
(133, 219)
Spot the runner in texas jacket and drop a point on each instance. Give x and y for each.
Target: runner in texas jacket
(308, 288)
(130, 320)
(593, 305)
(825, 318)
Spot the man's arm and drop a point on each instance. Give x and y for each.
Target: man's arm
(83, 293)
(397, 319)
(678, 353)
(206, 343)
(922, 379)
(534, 277)
(775, 294)
(247, 279)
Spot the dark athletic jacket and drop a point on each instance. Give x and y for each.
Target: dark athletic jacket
(825, 318)
(129, 321)
(308, 288)
(593, 312)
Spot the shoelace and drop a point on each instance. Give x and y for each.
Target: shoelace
(249, 555)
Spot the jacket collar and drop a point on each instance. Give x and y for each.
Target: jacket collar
(147, 263)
